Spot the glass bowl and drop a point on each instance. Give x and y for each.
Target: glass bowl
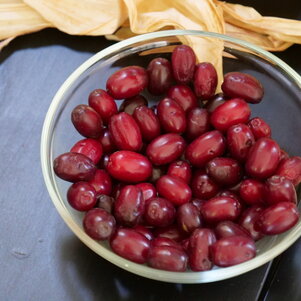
(281, 108)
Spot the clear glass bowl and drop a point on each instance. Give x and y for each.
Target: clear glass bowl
(281, 108)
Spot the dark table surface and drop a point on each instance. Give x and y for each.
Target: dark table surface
(40, 258)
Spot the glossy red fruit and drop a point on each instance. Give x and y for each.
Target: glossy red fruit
(102, 164)
(91, 148)
(263, 158)
(232, 112)
(228, 229)
(204, 148)
(74, 167)
(144, 231)
(203, 186)
(205, 80)
(171, 232)
(277, 218)
(130, 104)
(81, 196)
(127, 82)
(99, 224)
(240, 139)
(248, 219)
(230, 194)
(180, 169)
(148, 123)
(199, 249)
(125, 132)
(284, 155)
(103, 104)
(160, 76)
(188, 217)
(168, 258)
(174, 189)
(184, 96)
(198, 203)
(148, 190)
(101, 182)
(105, 202)
(233, 250)
(259, 128)
(224, 171)
(86, 121)
(130, 245)
(183, 62)
(129, 167)
(198, 123)
(117, 189)
(220, 208)
(242, 85)
(279, 189)
(165, 149)
(252, 192)
(129, 206)
(159, 212)
(291, 169)
(163, 241)
(214, 102)
(158, 172)
(172, 116)
(106, 141)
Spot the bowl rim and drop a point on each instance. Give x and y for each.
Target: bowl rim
(142, 270)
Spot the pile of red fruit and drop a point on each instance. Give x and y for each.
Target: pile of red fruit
(191, 182)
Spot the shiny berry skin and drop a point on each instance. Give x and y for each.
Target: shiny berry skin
(99, 224)
(74, 167)
(102, 164)
(242, 85)
(220, 208)
(148, 123)
(198, 203)
(284, 155)
(144, 231)
(127, 82)
(158, 172)
(184, 97)
(86, 121)
(228, 228)
(148, 190)
(291, 169)
(183, 62)
(205, 80)
(105, 202)
(81, 196)
(165, 149)
(116, 189)
(259, 128)
(199, 249)
(180, 169)
(125, 132)
(160, 76)
(277, 218)
(279, 189)
(159, 212)
(248, 220)
(232, 112)
(130, 245)
(252, 192)
(263, 158)
(107, 142)
(101, 182)
(129, 167)
(198, 123)
(167, 258)
(91, 148)
(188, 217)
(164, 241)
(204, 148)
(172, 116)
(129, 206)
(171, 232)
(214, 102)
(240, 139)
(103, 104)
(203, 186)
(174, 189)
(130, 104)
(232, 250)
